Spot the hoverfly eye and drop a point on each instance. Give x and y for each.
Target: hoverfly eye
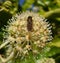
(29, 23)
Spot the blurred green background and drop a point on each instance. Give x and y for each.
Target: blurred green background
(50, 9)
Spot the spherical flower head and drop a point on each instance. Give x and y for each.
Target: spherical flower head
(28, 31)
(46, 60)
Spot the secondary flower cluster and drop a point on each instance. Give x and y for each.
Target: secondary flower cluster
(46, 60)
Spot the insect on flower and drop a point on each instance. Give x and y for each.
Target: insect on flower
(29, 23)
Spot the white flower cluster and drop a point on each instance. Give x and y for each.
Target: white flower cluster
(23, 40)
(46, 60)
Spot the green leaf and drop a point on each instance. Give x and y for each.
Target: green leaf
(50, 51)
(27, 4)
(55, 42)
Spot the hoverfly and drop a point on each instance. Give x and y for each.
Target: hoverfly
(29, 23)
